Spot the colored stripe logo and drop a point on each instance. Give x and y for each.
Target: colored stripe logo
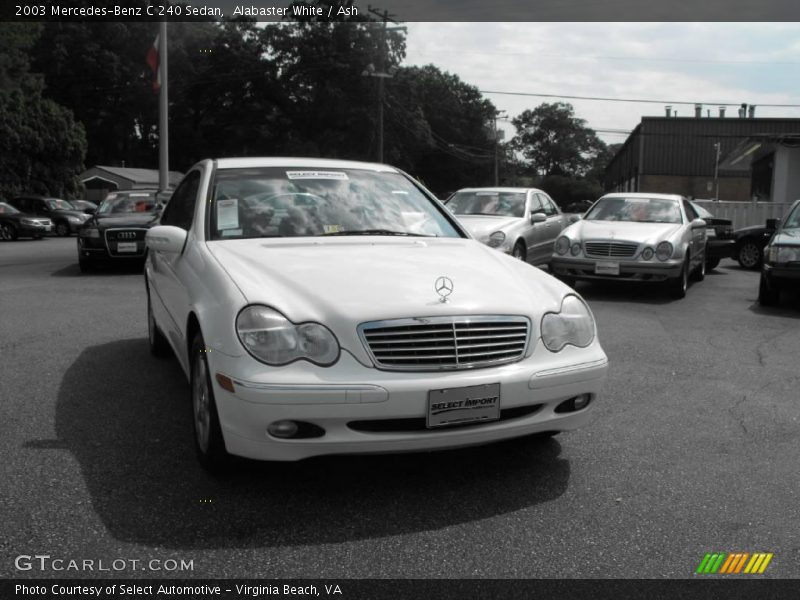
(734, 563)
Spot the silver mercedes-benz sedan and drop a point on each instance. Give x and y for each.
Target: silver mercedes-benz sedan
(635, 236)
(522, 222)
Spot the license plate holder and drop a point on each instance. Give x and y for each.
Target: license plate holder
(126, 247)
(463, 405)
(606, 267)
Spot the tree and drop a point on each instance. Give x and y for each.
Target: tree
(554, 141)
(439, 129)
(41, 146)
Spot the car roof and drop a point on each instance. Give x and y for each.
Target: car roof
(499, 189)
(643, 195)
(281, 161)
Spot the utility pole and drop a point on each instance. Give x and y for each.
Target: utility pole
(716, 174)
(497, 115)
(380, 72)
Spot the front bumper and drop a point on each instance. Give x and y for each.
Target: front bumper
(98, 250)
(34, 230)
(342, 398)
(718, 248)
(782, 277)
(632, 270)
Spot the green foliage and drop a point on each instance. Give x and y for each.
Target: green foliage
(294, 88)
(41, 145)
(555, 142)
(439, 129)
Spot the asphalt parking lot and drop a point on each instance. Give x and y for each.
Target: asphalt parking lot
(694, 448)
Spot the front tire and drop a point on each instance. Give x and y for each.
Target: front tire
(767, 296)
(519, 251)
(700, 272)
(8, 232)
(749, 255)
(679, 285)
(85, 265)
(159, 346)
(208, 441)
(62, 229)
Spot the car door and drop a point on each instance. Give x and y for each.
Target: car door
(534, 232)
(167, 286)
(697, 236)
(555, 218)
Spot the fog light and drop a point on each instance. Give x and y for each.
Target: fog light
(574, 404)
(283, 429)
(582, 401)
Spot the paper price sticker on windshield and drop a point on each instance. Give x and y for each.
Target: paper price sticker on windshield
(316, 175)
(227, 213)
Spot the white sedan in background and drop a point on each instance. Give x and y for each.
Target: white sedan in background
(522, 222)
(636, 237)
(328, 307)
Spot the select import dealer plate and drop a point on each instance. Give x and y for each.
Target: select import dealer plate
(462, 405)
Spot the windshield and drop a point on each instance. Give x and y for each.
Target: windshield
(120, 204)
(639, 210)
(294, 202)
(7, 209)
(507, 204)
(58, 204)
(793, 220)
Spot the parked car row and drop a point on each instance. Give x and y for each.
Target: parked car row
(325, 307)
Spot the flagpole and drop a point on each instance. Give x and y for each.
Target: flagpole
(163, 106)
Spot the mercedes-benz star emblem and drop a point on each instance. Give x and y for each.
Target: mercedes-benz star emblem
(443, 287)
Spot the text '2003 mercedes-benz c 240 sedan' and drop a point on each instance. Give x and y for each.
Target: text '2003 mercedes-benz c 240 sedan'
(332, 307)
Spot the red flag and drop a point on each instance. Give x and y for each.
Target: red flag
(153, 61)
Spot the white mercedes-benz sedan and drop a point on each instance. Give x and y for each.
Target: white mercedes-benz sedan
(523, 222)
(332, 307)
(635, 237)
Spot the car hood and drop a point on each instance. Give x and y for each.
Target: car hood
(345, 281)
(787, 237)
(129, 220)
(482, 226)
(63, 212)
(621, 230)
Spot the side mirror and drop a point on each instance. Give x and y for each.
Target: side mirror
(166, 238)
(537, 217)
(772, 223)
(699, 224)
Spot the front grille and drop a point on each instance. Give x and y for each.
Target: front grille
(611, 249)
(444, 343)
(125, 235)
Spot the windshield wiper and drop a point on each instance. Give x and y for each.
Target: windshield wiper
(375, 232)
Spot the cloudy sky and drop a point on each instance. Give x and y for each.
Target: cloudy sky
(710, 63)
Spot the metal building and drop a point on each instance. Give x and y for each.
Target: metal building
(683, 155)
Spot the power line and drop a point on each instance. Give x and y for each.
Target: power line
(639, 100)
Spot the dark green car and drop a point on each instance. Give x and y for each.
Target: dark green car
(781, 268)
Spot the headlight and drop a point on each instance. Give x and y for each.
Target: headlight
(647, 253)
(783, 254)
(29, 222)
(562, 245)
(575, 249)
(664, 251)
(496, 239)
(572, 325)
(89, 232)
(273, 339)
(72, 219)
